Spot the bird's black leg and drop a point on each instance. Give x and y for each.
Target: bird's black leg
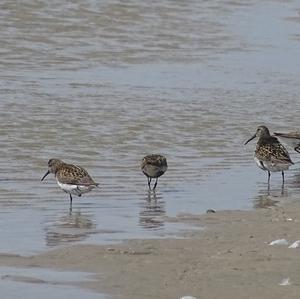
(70, 202)
(282, 186)
(149, 183)
(155, 184)
(269, 175)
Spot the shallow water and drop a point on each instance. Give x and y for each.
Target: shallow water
(103, 83)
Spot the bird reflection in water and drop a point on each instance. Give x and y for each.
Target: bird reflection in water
(73, 227)
(264, 201)
(153, 211)
(266, 198)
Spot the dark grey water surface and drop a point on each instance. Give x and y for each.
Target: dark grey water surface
(102, 83)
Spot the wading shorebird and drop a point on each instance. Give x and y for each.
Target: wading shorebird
(71, 178)
(292, 139)
(154, 166)
(270, 154)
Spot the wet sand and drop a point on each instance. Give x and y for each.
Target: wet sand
(231, 258)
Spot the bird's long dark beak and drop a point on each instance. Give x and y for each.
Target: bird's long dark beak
(45, 175)
(250, 139)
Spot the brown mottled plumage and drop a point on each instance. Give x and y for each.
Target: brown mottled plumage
(270, 154)
(291, 138)
(71, 178)
(154, 166)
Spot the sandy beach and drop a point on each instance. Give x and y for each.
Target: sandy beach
(230, 258)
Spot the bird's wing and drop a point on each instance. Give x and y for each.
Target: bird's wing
(273, 152)
(154, 160)
(291, 135)
(74, 175)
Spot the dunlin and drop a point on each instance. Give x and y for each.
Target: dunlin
(71, 178)
(292, 139)
(154, 166)
(270, 154)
